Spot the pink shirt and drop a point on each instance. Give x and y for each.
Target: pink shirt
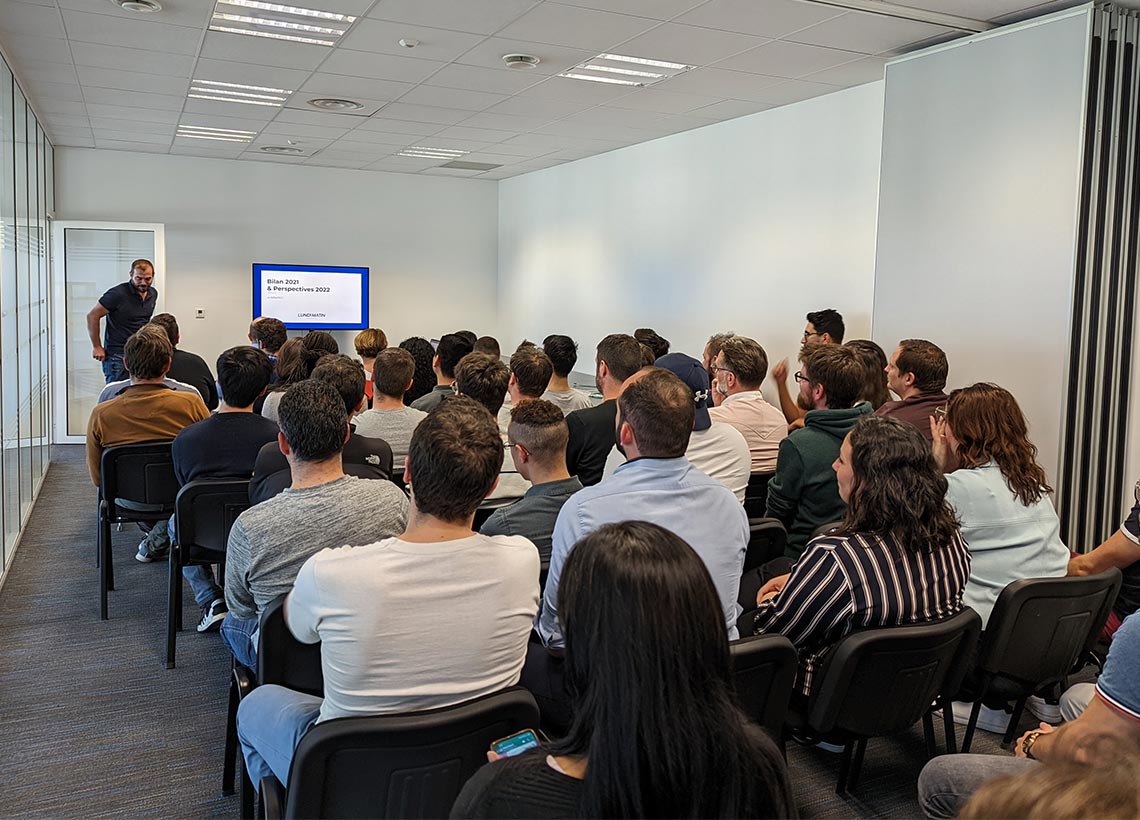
(762, 425)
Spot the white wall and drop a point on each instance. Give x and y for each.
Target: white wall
(745, 225)
(423, 237)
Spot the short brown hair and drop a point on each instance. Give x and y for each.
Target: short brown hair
(838, 369)
(142, 263)
(660, 409)
(532, 369)
(926, 361)
(484, 378)
(622, 355)
(370, 342)
(540, 427)
(147, 353)
(487, 344)
(269, 331)
(454, 458)
(394, 368)
(746, 359)
(169, 325)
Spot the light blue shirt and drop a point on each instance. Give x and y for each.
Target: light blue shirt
(671, 493)
(1008, 541)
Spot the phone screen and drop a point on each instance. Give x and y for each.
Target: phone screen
(515, 744)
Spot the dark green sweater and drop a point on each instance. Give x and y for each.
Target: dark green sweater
(803, 493)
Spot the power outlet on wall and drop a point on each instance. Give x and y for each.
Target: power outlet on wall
(199, 314)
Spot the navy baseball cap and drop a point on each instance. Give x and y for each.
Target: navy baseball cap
(692, 373)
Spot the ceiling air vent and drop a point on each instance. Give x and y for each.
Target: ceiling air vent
(520, 60)
(144, 6)
(463, 165)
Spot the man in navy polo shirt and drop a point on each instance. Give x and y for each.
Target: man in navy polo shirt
(128, 306)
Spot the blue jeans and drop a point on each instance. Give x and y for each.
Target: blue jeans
(271, 721)
(240, 636)
(948, 782)
(200, 578)
(113, 369)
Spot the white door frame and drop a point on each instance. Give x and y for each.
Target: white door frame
(59, 309)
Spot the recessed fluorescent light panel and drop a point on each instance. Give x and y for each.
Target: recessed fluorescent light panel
(618, 69)
(201, 132)
(280, 22)
(424, 152)
(237, 93)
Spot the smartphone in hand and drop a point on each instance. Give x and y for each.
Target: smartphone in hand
(515, 744)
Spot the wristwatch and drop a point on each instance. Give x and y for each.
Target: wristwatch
(1027, 744)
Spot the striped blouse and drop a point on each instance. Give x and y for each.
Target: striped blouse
(846, 582)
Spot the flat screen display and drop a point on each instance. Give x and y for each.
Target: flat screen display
(308, 297)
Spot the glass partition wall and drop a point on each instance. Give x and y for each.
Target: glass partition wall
(26, 205)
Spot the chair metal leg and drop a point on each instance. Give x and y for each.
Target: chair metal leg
(971, 726)
(248, 794)
(844, 768)
(857, 763)
(104, 566)
(107, 545)
(928, 733)
(173, 582)
(950, 728)
(229, 765)
(1015, 718)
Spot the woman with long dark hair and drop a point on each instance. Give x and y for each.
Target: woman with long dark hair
(875, 363)
(295, 362)
(424, 380)
(898, 557)
(656, 731)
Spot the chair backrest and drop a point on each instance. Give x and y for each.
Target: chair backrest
(763, 674)
(756, 495)
(879, 681)
(766, 540)
(284, 660)
(410, 765)
(489, 505)
(1039, 626)
(138, 480)
(205, 511)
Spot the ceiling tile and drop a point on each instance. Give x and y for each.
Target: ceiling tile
(323, 160)
(867, 33)
(663, 102)
(383, 37)
(405, 164)
(353, 7)
(266, 76)
(501, 152)
(69, 121)
(539, 107)
(694, 45)
(61, 131)
(228, 109)
(214, 121)
(129, 114)
(718, 82)
(730, 109)
(30, 19)
(973, 9)
(475, 16)
(259, 51)
(133, 99)
(781, 58)
(603, 116)
(73, 141)
(309, 145)
(133, 135)
(340, 85)
(51, 106)
(151, 62)
(277, 159)
(483, 135)
(452, 98)
(675, 123)
(394, 126)
(655, 9)
(104, 124)
(204, 148)
(505, 122)
(557, 142)
(323, 133)
(34, 71)
(605, 136)
(857, 72)
(29, 47)
(554, 59)
(125, 145)
(132, 81)
(359, 139)
(569, 90)
(379, 66)
(108, 30)
(305, 115)
(59, 91)
(348, 148)
(496, 81)
(193, 13)
(576, 27)
(771, 18)
(424, 113)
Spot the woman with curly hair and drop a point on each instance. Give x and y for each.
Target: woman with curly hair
(424, 380)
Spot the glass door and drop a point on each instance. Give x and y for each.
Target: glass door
(90, 258)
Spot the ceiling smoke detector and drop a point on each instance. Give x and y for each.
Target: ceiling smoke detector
(335, 104)
(520, 60)
(280, 149)
(144, 6)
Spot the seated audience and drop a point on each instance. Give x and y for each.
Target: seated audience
(371, 607)
(468, 336)
(648, 337)
(322, 507)
(592, 429)
(898, 557)
(488, 345)
(1121, 550)
(530, 374)
(537, 438)
(146, 410)
(647, 356)
(740, 366)
(712, 347)
(295, 363)
(363, 457)
(424, 380)
(321, 341)
(947, 782)
(716, 449)
(185, 367)
(917, 375)
(368, 344)
(874, 359)
(803, 493)
(268, 334)
(483, 377)
(225, 445)
(390, 419)
(824, 327)
(662, 678)
(451, 349)
(563, 354)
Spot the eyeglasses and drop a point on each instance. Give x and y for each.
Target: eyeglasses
(716, 369)
(516, 444)
(808, 335)
(800, 377)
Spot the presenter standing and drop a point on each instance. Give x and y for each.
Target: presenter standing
(127, 306)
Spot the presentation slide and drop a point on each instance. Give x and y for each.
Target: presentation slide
(312, 296)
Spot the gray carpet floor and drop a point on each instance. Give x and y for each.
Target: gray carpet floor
(94, 726)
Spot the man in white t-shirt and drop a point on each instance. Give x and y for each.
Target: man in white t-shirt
(375, 608)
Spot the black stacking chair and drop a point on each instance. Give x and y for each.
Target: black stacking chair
(767, 539)
(763, 674)
(205, 512)
(138, 485)
(489, 505)
(1036, 632)
(281, 659)
(410, 765)
(881, 681)
(756, 495)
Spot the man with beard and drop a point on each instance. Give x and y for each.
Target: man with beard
(128, 306)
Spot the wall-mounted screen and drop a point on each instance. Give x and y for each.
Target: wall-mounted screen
(312, 296)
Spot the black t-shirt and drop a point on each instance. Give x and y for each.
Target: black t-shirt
(126, 313)
(1128, 600)
(223, 446)
(362, 457)
(591, 439)
(191, 369)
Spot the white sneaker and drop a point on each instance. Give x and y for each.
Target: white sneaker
(989, 720)
(1044, 710)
